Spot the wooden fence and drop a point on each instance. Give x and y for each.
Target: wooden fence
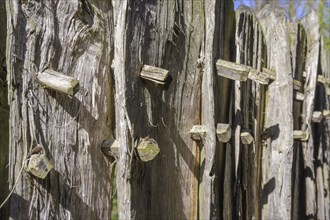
(205, 112)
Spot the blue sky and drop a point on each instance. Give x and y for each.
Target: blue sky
(301, 5)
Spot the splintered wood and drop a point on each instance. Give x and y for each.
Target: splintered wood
(154, 74)
(57, 81)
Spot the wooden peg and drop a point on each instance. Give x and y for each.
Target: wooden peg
(259, 77)
(232, 70)
(39, 165)
(298, 96)
(317, 117)
(304, 74)
(300, 135)
(147, 149)
(270, 73)
(155, 74)
(321, 79)
(223, 132)
(198, 132)
(246, 138)
(326, 114)
(57, 81)
(296, 85)
(110, 147)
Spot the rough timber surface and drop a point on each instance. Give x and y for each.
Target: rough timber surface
(73, 37)
(278, 155)
(179, 37)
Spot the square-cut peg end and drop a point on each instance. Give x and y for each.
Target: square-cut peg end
(57, 81)
(223, 132)
(317, 117)
(300, 135)
(246, 137)
(232, 70)
(147, 149)
(198, 132)
(156, 75)
(326, 114)
(110, 147)
(39, 165)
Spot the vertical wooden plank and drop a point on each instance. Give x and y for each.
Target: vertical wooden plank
(278, 154)
(311, 25)
(72, 37)
(4, 115)
(298, 44)
(250, 101)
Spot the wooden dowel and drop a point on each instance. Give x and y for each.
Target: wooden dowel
(223, 132)
(300, 135)
(198, 132)
(57, 81)
(246, 138)
(232, 70)
(154, 74)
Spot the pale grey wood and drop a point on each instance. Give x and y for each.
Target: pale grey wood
(300, 135)
(311, 25)
(154, 74)
(298, 96)
(70, 37)
(198, 132)
(223, 132)
(259, 77)
(39, 165)
(278, 155)
(246, 138)
(270, 73)
(296, 85)
(326, 114)
(147, 149)
(317, 116)
(232, 70)
(57, 81)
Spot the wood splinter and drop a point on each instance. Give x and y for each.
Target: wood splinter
(300, 135)
(246, 137)
(223, 132)
(317, 117)
(198, 132)
(51, 79)
(155, 74)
